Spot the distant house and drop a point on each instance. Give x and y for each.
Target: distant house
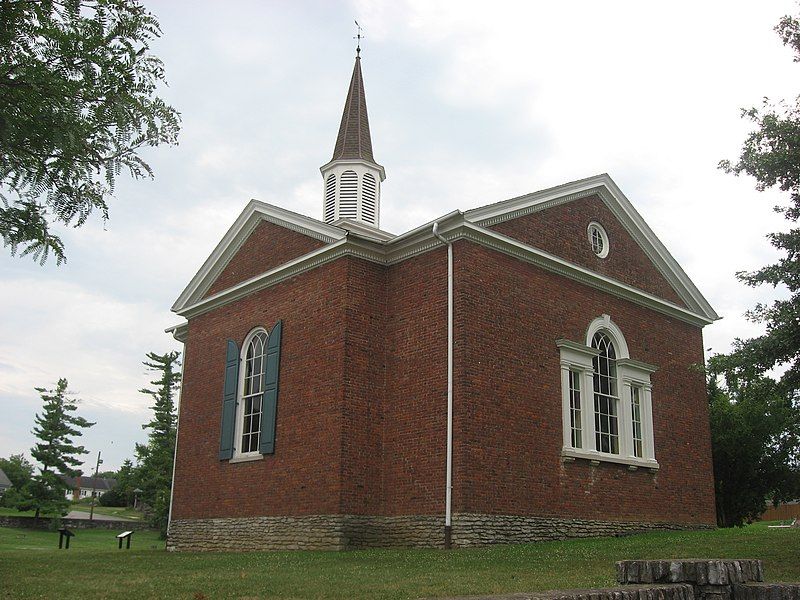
(5, 482)
(81, 487)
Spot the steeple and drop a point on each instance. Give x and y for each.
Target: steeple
(354, 140)
(352, 179)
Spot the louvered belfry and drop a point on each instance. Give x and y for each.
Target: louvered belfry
(352, 179)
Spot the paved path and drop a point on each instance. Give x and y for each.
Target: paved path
(77, 514)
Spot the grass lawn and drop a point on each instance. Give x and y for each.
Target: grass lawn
(31, 566)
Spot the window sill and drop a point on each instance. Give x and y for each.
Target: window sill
(246, 458)
(598, 457)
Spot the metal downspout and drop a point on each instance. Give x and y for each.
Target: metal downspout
(175, 453)
(449, 485)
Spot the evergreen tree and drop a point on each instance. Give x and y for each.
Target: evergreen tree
(56, 451)
(156, 457)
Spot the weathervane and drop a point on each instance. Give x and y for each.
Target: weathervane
(358, 37)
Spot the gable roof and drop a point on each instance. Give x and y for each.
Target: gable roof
(473, 225)
(87, 483)
(5, 482)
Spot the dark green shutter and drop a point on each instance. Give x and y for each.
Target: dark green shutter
(229, 401)
(270, 403)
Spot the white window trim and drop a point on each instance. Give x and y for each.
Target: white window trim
(237, 432)
(630, 373)
(594, 225)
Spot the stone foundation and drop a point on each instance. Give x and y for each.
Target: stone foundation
(341, 532)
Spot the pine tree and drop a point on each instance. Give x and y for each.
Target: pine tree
(56, 451)
(156, 457)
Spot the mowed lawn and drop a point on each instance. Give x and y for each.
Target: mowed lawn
(31, 566)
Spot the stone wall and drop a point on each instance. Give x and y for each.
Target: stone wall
(341, 532)
(684, 579)
(46, 523)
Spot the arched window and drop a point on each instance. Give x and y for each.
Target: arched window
(606, 399)
(252, 390)
(606, 394)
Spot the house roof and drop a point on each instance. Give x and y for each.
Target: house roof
(474, 225)
(87, 483)
(5, 482)
(354, 140)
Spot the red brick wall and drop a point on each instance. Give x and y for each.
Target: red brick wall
(267, 247)
(415, 411)
(303, 476)
(509, 315)
(362, 407)
(364, 387)
(561, 230)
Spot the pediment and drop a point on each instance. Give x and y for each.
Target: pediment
(256, 214)
(681, 289)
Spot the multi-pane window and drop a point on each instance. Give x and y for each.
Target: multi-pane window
(598, 239)
(252, 392)
(606, 397)
(575, 408)
(636, 420)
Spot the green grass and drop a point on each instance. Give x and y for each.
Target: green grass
(31, 566)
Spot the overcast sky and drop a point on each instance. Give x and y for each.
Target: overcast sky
(469, 103)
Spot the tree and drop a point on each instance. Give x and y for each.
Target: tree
(156, 457)
(56, 451)
(771, 154)
(754, 458)
(19, 471)
(77, 104)
(770, 453)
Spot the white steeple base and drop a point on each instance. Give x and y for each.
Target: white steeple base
(352, 190)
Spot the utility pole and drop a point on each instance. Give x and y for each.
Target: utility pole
(94, 483)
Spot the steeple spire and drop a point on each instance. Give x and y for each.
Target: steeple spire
(354, 140)
(352, 178)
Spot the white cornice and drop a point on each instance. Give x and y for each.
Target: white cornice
(452, 228)
(550, 262)
(603, 186)
(245, 223)
(179, 332)
(472, 225)
(353, 161)
(364, 230)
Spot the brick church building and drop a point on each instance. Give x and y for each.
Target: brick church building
(522, 371)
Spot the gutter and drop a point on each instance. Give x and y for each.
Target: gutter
(448, 527)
